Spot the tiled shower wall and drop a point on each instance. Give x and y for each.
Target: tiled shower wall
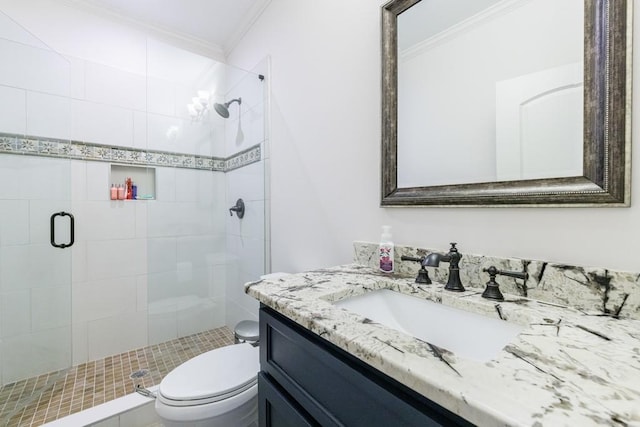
(141, 272)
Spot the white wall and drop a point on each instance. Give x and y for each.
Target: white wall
(325, 157)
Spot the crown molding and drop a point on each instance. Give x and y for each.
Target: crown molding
(188, 42)
(247, 23)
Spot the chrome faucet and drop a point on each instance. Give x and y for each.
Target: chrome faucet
(453, 258)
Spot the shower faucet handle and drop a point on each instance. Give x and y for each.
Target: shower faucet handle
(238, 209)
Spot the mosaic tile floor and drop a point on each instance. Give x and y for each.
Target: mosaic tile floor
(62, 393)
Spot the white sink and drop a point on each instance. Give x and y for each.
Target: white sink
(465, 334)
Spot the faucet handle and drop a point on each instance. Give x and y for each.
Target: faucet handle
(423, 274)
(492, 291)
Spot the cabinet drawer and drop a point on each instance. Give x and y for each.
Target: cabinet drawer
(277, 409)
(334, 387)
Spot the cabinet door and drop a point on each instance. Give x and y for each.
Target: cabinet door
(277, 409)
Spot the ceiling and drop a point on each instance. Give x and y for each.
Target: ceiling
(215, 24)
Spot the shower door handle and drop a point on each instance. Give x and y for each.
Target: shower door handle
(53, 230)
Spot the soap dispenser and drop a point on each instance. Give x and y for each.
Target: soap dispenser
(386, 250)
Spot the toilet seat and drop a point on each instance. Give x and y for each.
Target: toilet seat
(212, 376)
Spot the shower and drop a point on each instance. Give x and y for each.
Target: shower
(140, 273)
(223, 109)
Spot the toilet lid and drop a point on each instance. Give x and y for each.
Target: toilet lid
(213, 375)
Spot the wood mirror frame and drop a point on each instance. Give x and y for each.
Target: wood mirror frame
(607, 125)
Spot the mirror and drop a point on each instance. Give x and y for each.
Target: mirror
(506, 102)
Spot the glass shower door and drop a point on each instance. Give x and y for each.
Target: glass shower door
(35, 222)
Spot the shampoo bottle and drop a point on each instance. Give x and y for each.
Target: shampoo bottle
(386, 250)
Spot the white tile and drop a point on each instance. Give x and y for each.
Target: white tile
(14, 32)
(201, 316)
(233, 78)
(201, 251)
(10, 171)
(108, 85)
(193, 185)
(247, 182)
(166, 133)
(102, 124)
(104, 299)
(15, 316)
(78, 180)
(50, 307)
(30, 266)
(141, 218)
(77, 73)
(163, 326)
(161, 287)
(13, 110)
(41, 178)
(218, 147)
(248, 254)
(252, 225)
(141, 293)
(14, 222)
(161, 96)
(34, 69)
(98, 185)
(161, 254)
(196, 137)
(79, 339)
(181, 219)
(48, 115)
(187, 182)
(105, 220)
(217, 285)
(140, 130)
(117, 334)
(183, 95)
(116, 258)
(250, 88)
(236, 313)
(79, 261)
(245, 131)
(166, 184)
(29, 355)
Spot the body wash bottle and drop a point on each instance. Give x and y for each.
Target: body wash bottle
(386, 250)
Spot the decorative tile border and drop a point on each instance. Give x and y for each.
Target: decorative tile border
(76, 150)
(243, 158)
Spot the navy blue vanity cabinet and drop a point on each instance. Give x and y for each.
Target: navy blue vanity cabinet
(307, 381)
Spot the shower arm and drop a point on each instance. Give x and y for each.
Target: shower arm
(238, 100)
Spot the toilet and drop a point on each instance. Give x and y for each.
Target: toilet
(216, 388)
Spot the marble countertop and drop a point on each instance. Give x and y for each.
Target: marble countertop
(567, 367)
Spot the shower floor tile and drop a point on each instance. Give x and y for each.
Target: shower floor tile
(39, 400)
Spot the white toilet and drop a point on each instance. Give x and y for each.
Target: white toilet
(216, 388)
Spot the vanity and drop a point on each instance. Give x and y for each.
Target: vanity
(325, 365)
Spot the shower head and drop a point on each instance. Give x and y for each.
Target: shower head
(223, 109)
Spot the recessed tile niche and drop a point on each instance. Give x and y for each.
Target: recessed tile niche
(144, 178)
